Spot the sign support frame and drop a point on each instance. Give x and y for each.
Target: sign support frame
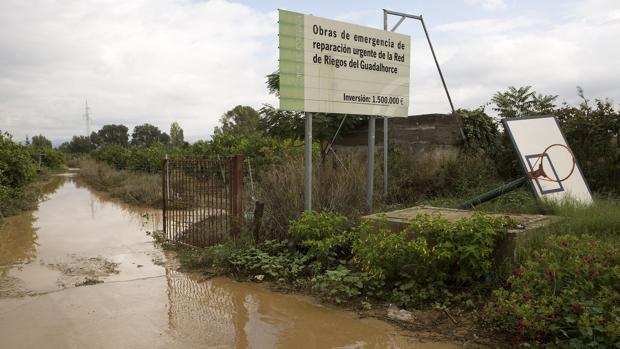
(371, 162)
(308, 162)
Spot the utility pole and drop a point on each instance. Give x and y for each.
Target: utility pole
(87, 118)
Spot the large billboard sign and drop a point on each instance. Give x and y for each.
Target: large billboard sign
(328, 66)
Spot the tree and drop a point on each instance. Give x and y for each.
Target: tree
(79, 144)
(146, 135)
(591, 130)
(16, 165)
(522, 101)
(176, 135)
(111, 134)
(241, 121)
(41, 141)
(290, 124)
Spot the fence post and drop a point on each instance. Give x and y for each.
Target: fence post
(236, 194)
(164, 195)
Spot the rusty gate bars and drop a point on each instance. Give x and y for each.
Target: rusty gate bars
(202, 204)
(236, 188)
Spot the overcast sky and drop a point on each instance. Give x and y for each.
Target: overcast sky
(160, 61)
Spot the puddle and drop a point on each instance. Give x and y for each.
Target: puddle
(80, 272)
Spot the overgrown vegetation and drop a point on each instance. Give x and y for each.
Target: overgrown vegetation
(559, 296)
(341, 260)
(129, 186)
(567, 294)
(19, 166)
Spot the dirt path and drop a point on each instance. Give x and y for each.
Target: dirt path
(80, 272)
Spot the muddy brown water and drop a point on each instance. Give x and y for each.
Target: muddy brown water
(81, 272)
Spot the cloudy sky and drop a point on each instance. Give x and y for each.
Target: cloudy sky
(161, 61)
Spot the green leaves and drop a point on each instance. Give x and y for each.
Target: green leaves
(342, 284)
(318, 225)
(522, 101)
(567, 293)
(431, 255)
(271, 258)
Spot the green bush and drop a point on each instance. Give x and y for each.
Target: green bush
(16, 165)
(343, 284)
(326, 238)
(148, 159)
(567, 294)
(318, 226)
(114, 155)
(461, 252)
(330, 251)
(481, 131)
(272, 259)
(383, 253)
(590, 130)
(48, 157)
(431, 255)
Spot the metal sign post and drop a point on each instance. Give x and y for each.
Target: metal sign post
(308, 163)
(371, 161)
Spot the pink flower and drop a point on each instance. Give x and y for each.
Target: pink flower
(518, 272)
(520, 328)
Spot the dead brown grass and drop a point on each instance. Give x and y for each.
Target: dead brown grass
(338, 186)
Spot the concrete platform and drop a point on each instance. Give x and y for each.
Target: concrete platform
(398, 220)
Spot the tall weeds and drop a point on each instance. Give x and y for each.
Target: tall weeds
(337, 186)
(136, 188)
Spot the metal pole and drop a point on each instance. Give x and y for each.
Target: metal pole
(437, 64)
(490, 195)
(385, 121)
(308, 164)
(371, 161)
(386, 146)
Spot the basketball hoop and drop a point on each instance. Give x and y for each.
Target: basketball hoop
(540, 173)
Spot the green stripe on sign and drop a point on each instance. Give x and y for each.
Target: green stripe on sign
(291, 42)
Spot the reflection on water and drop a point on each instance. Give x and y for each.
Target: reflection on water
(18, 234)
(18, 237)
(223, 313)
(195, 308)
(143, 302)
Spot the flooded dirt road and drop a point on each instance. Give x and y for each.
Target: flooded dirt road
(80, 272)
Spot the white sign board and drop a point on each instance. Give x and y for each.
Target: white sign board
(328, 66)
(531, 136)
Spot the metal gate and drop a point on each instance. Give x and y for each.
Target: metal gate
(202, 200)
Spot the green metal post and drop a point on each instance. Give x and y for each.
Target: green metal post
(490, 195)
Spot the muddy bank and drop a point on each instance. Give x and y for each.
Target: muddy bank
(81, 272)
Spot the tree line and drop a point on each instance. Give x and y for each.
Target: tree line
(144, 135)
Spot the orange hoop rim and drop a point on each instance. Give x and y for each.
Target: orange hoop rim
(543, 175)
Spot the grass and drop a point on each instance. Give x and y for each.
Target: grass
(519, 201)
(136, 188)
(600, 220)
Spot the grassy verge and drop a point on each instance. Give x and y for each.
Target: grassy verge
(136, 188)
(28, 197)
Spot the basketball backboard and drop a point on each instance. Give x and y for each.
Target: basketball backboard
(547, 160)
